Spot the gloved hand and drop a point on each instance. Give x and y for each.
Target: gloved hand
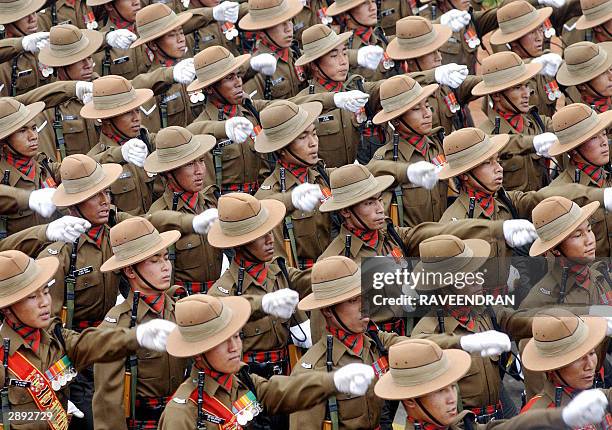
(301, 334)
(73, 410)
(354, 378)
(184, 71)
(120, 39)
(487, 343)
(66, 229)
(370, 56)
(41, 201)
(451, 74)
(588, 407)
(550, 63)
(238, 129)
(552, 3)
(153, 334)
(423, 173)
(201, 223)
(519, 232)
(351, 101)
(226, 11)
(84, 91)
(306, 197)
(543, 142)
(264, 64)
(35, 41)
(134, 151)
(455, 19)
(280, 303)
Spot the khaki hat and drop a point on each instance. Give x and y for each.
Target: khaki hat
(204, 322)
(555, 218)
(584, 61)
(318, 40)
(134, 240)
(516, 19)
(339, 6)
(264, 14)
(503, 70)
(98, 2)
(398, 95)
(21, 275)
(351, 184)
(446, 253)
(14, 10)
(14, 115)
(418, 367)
(416, 36)
(155, 20)
(560, 338)
(69, 44)
(176, 146)
(83, 178)
(575, 124)
(594, 13)
(243, 218)
(468, 148)
(334, 280)
(114, 95)
(282, 122)
(213, 64)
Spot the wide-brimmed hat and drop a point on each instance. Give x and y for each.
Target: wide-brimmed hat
(282, 122)
(446, 253)
(268, 13)
(204, 322)
(213, 64)
(352, 184)
(516, 19)
(334, 280)
(398, 95)
(418, 367)
(243, 218)
(21, 275)
(468, 148)
(555, 218)
(594, 13)
(503, 70)
(82, 178)
(318, 40)
(114, 95)
(14, 115)
(176, 146)
(584, 61)
(134, 240)
(560, 338)
(340, 6)
(69, 44)
(575, 124)
(416, 36)
(155, 20)
(14, 10)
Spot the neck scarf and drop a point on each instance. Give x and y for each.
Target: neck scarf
(425, 425)
(485, 200)
(190, 199)
(229, 111)
(223, 379)
(257, 270)
(279, 53)
(600, 104)
(31, 336)
(581, 272)
(364, 33)
(516, 120)
(96, 234)
(597, 174)
(418, 141)
(119, 22)
(115, 137)
(369, 237)
(300, 172)
(353, 341)
(25, 165)
(332, 86)
(464, 315)
(155, 301)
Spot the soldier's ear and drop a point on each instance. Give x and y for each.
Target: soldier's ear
(409, 405)
(555, 252)
(129, 272)
(345, 213)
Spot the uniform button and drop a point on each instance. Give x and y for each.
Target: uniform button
(189, 245)
(257, 330)
(124, 188)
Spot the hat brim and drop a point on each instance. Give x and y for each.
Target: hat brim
(239, 61)
(47, 269)
(334, 9)
(218, 239)
(482, 89)
(9, 18)
(568, 79)
(383, 116)
(45, 56)
(205, 143)
(264, 145)
(89, 111)
(582, 23)
(248, 24)
(498, 142)
(181, 20)
(540, 246)
(500, 38)
(396, 52)
(112, 172)
(383, 182)
(34, 109)
(535, 362)
(603, 122)
(309, 58)
(460, 362)
(310, 302)
(167, 239)
(177, 346)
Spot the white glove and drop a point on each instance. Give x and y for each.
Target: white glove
(67, 229)
(519, 232)
(451, 75)
(41, 201)
(264, 64)
(184, 72)
(134, 151)
(354, 378)
(455, 19)
(154, 334)
(542, 143)
(73, 410)
(84, 91)
(280, 303)
(298, 332)
(552, 3)
(120, 39)
(370, 56)
(608, 198)
(306, 197)
(351, 100)
(588, 407)
(238, 129)
(201, 223)
(32, 42)
(226, 11)
(487, 343)
(550, 63)
(423, 173)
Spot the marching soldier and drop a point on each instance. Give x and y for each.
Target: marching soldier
(220, 32)
(594, 25)
(73, 12)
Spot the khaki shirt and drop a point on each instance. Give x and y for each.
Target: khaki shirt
(28, 74)
(354, 43)
(10, 48)
(75, 12)
(211, 33)
(128, 63)
(307, 17)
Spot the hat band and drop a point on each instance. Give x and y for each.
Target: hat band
(134, 247)
(78, 185)
(15, 6)
(578, 130)
(203, 331)
(215, 69)
(561, 346)
(335, 287)
(422, 374)
(557, 226)
(15, 283)
(15, 117)
(502, 76)
(346, 192)
(114, 101)
(269, 12)
(244, 226)
(519, 23)
(400, 100)
(590, 65)
(157, 26)
(469, 154)
(69, 49)
(171, 154)
(598, 11)
(418, 41)
(322, 44)
(450, 264)
(287, 128)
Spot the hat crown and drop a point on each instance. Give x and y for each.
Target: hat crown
(211, 55)
(315, 33)
(413, 26)
(463, 139)
(8, 106)
(570, 115)
(500, 61)
(349, 174)
(263, 4)
(151, 13)
(550, 209)
(172, 137)
(130, 230)
(278, 113)
(441, 247)
(554, 324)
(332, 269)
(513, 10)
(580, 52)
(111, 85)
(414, 353)
(77, 166)
(590, 4)
(397, 85)
(238, 207)
(197, 309)
(64, 34)
(12, 263)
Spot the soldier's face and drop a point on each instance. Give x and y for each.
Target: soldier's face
(128, 123)
(334, 64)
(602, 84)
(281, 34)
(35, 310)
(81, 71)
(531, 44)
(230, 88)
(490, 174)
(96, 209)
(579, 246)
(190, 177)
(157, 270)
(419, 118)
(350, 316)
(126, 9)
(225, 357)
(365, 13)
(370, 211)
(305, 148)
(595, 151)
(262, 247)
(25, 140)
(426, 62)
(172, 44)
(441, 404)
(518, 96)
(26, 25)
(603, 32)
(581, 373)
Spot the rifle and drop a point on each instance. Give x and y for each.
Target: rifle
(397, 204)
(440, 316)
(497, 125)
(172, 248)
(288, 235)
(558, 394)
(331, 412)
(4, 219)
(69, 284)
(347, 246)
(268, 87)
(562, 291)
(14, 77)
(201, 423)
(6, 406)
(240, 279)
(58, 130)
(106, 62)
(163, 111)
(131, 369)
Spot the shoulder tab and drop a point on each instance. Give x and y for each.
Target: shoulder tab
(109, 319)
(223, 290)
(266, 187)
(179, 400)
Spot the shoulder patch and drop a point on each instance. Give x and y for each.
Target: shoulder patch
(266, 187)
(110, 319)
(545, 291)
(378, 157)
(179, 400)
(53, 251)
(307, 365)
(223, 290)
(454, 219)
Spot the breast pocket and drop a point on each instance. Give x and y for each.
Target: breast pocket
(149, 363)
(76, 140)
(257, 328)
(189, 252)
(329, 130)
(123, 192)
(514, 173)
(304, 225)
(453, 45)
(88, 288)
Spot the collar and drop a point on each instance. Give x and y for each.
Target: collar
(120, 23)
(25, 165)
(279, 53)
(596, 173)
(516, 120)
(299, 172)
(424, 425)
(332, 86)
(485, 200)
(229, 111)
(116, 137)
(190, 199)
(225, 380)
(464, 315)
(600, 104)
(368, 237)
(155, 301)
(31, 336)
(419, 142)
(364, 33)
(354, 342)
(96, 234)
(257, 270)
(580, 272)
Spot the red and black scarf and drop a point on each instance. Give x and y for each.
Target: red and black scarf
(600, 104)
(353, 341)
(190, 199)
(257, 270)
(364, 33)
(115, 137)
(369, 237)
(418, 141)
(581, 272)
(30, 335)
(229, 111)
(465, 316)
(331, 86)
(279, 53)
(155, 301)
(485, 200)
(118, 23)
(425, 425)
(516, 120)
(25, 165)
(300, 172)
(223, 379)
(96, 234)
(596, 173)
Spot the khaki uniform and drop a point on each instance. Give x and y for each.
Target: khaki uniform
(10, 48)
(570, 34)
(28, 74)
(13, 199)
(307, 17)
(211, 34)
(75, 12)
(546, 400)
(534, 421)
(30, 241)
(354, 43)
(128, 63)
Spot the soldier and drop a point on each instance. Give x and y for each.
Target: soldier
(221, 32)
(593, 25)
(74, 12)
(11, 47)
